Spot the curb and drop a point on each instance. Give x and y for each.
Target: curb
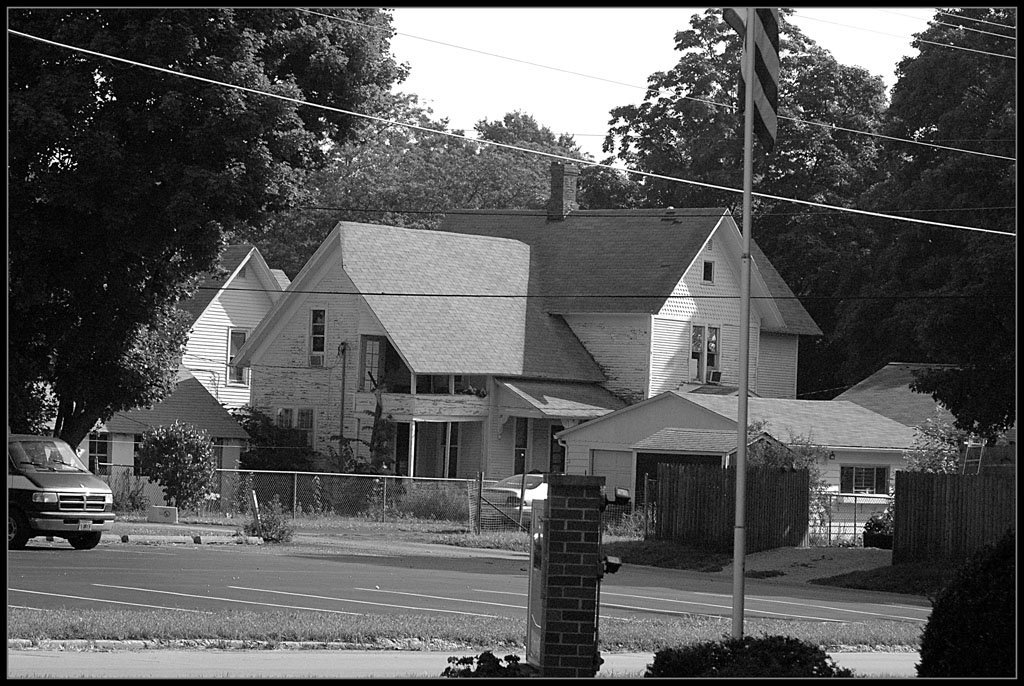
(195, 539)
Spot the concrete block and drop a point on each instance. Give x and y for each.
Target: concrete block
(162, 514)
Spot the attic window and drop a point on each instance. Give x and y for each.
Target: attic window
(709, 272)
(711, 245)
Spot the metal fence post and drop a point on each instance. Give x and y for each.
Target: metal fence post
(295, 493)
(477, 525)
(384, 503)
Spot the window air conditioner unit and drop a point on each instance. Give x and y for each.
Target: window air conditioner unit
(714, 377)
(316, 360)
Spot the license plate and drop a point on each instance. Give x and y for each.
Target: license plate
(85, 525)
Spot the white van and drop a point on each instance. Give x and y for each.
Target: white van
(51, 493)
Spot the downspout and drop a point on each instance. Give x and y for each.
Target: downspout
(342, 349)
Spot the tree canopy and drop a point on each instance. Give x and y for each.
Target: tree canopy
(941, 295)
(403, 176)
(123, 180)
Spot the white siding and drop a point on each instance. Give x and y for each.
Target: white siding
(670, 354)
(621, 345)
(207, 348)
(616, 467)
(777, 370)
(712, 304)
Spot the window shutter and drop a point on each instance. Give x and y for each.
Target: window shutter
(846, 479)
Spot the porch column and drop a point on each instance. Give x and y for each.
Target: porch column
(412, 448)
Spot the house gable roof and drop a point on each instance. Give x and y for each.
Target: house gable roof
(888, 393)
(232, 259)
(450, 303)
(188, 403)
(618, 261)
(834, 423)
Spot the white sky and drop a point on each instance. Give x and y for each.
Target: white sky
(623, 45)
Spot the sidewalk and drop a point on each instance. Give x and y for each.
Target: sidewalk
(336, 664)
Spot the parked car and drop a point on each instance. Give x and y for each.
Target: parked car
(51, 493)
(501, 501)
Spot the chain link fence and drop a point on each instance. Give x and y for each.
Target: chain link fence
(379, 498)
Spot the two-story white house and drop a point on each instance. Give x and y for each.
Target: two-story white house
(490, 335)
(223, 312)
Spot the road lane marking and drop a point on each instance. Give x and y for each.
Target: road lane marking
(822, 607)
(369, 602)
(441, 597)
(227, 600)
(101, 600)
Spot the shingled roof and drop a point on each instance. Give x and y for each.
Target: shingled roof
(888, 393)
(188, 403)
(836, 423)
(617, 261)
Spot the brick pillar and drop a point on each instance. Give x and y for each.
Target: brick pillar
(569, 578)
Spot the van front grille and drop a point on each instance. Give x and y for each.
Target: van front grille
(79, 502)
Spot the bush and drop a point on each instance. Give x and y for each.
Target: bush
(972, 628)
(426, 502)
(486, 666)
(180, 459)
(273, 526)
(128, 492)
(765, 656)
(881, 522)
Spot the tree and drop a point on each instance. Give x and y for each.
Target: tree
(687, 128)
(124, 181)
(937, 445)
(936, 294)
(180, 459)
(272, 447)
(408, 177)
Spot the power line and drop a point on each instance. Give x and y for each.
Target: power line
(684, 97)
(607, 296)
(967, 28)
(980, 21)
(919, 40)
(501, 145)
(639, 212)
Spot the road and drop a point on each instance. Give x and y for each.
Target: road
(213, 578)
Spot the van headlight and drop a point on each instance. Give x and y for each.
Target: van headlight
(108, 498)
(44, 497)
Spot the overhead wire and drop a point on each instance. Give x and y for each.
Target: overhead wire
(919, 40)
(980, 21)
(712, 103)
(494, 143)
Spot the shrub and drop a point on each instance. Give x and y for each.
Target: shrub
(180, 459)
(765, 656)
(972, 628)
(272, 526)
(128, 492)
(487, 665)
(432, 503)
(881, 522)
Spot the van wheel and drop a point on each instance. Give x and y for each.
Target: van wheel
(85, 541)
(17, 530)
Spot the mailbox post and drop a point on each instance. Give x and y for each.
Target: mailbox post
(564, 582)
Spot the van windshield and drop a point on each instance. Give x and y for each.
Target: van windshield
(44, 456)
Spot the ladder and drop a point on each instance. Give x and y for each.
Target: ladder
(974, 452)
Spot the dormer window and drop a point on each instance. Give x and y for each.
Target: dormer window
(709, 271)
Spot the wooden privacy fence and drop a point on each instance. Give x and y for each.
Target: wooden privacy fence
(696, 506)
(948, 516)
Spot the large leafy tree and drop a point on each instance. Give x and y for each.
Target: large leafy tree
(687, 128)
(123, 180)
(403, 176)
(938, 294)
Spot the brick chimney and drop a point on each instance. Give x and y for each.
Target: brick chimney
(563, 190)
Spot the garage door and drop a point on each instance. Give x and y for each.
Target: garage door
(616, 466)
